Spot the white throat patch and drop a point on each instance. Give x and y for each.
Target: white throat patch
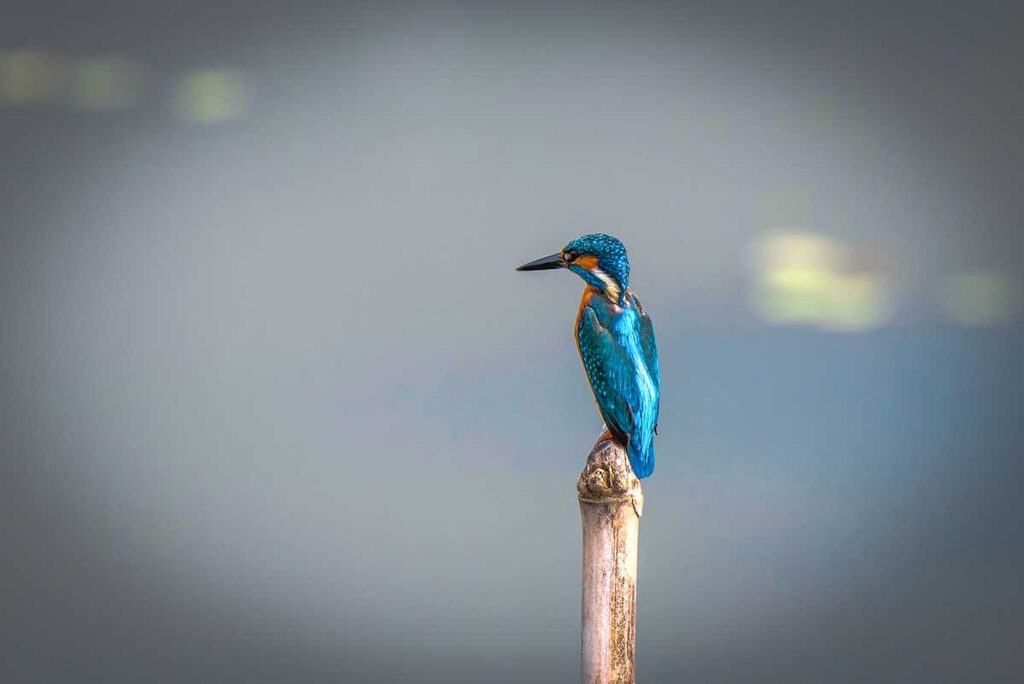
(610, 286)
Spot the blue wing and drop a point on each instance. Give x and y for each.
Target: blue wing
(621, 366)
(650, 351)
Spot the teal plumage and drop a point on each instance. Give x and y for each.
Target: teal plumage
(615, 339)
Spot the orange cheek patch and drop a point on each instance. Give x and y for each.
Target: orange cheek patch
(587, 261)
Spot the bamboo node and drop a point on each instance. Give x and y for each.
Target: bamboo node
(607, 477)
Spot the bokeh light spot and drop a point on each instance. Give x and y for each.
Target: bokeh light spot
(801, 278)
(212, 96)
(27, 77)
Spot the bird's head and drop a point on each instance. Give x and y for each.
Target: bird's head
(597, 258)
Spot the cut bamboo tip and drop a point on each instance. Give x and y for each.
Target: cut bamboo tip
(611, 502)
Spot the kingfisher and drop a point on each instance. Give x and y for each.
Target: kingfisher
(615, 340)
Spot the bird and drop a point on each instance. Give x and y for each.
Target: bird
(615, 340)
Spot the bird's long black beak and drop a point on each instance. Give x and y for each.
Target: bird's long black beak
(544, 264)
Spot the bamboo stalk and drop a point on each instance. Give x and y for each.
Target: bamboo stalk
(611, 502)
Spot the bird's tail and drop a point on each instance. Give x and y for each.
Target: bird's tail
(641, 458)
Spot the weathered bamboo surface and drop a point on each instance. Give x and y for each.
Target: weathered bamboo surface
(611, 502)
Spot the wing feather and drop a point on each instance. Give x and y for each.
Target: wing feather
(648, 343)
(620, 357)
(607, 369)
(649, 347)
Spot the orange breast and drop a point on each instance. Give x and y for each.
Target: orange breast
(588, 292)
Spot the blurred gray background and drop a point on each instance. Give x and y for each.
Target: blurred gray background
(276, 408)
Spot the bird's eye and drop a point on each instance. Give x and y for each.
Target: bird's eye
(570, 256)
